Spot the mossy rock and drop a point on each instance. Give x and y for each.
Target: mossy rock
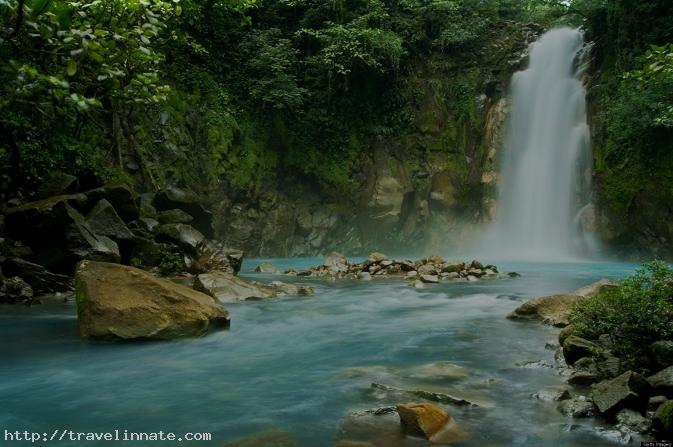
(662, 421)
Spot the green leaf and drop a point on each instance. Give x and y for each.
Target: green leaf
(72, 67)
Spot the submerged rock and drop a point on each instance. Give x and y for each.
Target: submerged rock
(438, 371)
(125, 303)
(283, 288)
(551, 395)
(266, 268)
(265, 439)
(577, 407)
(435, 396)
(553, 310)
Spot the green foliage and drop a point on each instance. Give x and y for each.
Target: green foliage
(236, 93)
(171, 262)
(655, 78)
(63, 67)
(634, 314)
(271, 67)
(632, 148)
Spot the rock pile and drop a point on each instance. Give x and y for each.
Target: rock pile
(602, 384)
(41, 242)
(430, 270)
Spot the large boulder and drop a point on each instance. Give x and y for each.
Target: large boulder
(552, 309)
(124, 200)
(40, 279)
(424, 420)
(188, 201)
(82, 242)
(105, 221)
(229, 288)
(184, 236)
(630, 390)
(574, 348)
(663, 382)
(35, 223)
(217, 257)
(58, 234)
(125, 303)
(58, 184)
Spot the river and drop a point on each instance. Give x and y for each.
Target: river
(287, 364)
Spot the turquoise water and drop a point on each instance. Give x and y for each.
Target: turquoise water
(284, 363)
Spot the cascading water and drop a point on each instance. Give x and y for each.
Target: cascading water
(546, 146)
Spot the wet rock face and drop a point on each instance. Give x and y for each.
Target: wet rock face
(125, 303)
(104, 220)
(173, 198)
(184, 236)
(40, 279)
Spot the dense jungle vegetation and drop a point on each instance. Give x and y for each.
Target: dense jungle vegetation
(235, 92)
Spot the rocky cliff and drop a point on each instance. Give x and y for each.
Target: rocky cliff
(417, 192)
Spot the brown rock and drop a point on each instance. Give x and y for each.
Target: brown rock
(553, 310)
(422, 419)
(121, 302)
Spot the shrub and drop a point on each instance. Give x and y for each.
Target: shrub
(636, 313)
(171, 262)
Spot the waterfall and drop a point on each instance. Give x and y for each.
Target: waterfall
(546, 149)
